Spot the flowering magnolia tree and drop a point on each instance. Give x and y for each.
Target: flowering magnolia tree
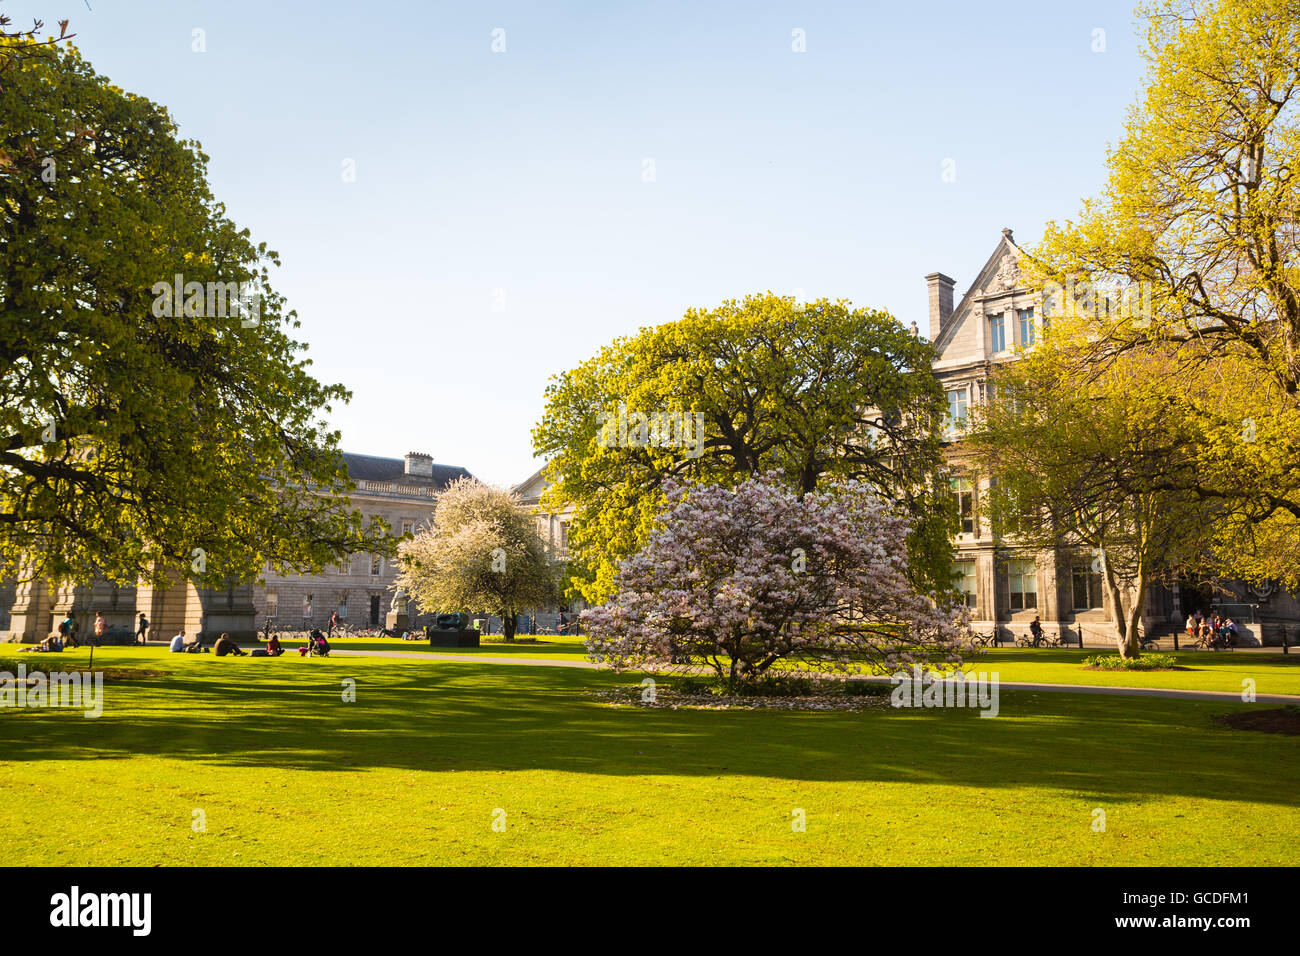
(742, 578)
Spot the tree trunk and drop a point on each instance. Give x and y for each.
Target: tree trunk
(1122, 643)
(509, 621)
(1127, 623)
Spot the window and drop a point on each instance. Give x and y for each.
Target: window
(998, 332)
(564, 534)
(343, 607)
(958, 405)
(965, 493)
(964, 578)
(408, 527)
(376, 565)
(1026, 317)
(1022, 577)
(306, 607)
(1087, 587)
(273, 605)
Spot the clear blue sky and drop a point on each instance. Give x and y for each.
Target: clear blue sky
(516, 179)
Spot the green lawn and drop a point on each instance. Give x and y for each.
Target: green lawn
(552, 648)
(1205, 670)
(412, 771)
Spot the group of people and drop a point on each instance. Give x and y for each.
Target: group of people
(1212, 629)
(65, 636)
(224, 646)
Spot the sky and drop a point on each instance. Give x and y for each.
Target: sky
(469, 198)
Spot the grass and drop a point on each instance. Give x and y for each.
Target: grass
(554, 648)
(286, 772)
(1204, 670)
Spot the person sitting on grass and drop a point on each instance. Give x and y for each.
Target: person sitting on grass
(316, 644)
(51, 645)
(178, 643)
(195, 646)
(226, 646)
(273, 648)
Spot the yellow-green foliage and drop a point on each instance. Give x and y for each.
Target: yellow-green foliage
(1199, 221)
(807, 390)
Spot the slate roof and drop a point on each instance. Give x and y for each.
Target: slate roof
(374, 468)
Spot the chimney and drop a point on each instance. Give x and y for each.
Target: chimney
(419, 465)
(940, 287)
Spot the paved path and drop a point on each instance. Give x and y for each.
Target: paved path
(1224, 696)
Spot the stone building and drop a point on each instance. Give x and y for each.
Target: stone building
(402, 491)
(1004, 586)
(554, 529)
(360, 588)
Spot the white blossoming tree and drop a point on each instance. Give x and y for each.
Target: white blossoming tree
(740, 579)
(482, 554)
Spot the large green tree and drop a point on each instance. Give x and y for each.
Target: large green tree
(721, 395)
(1200, 223)
(142, 432)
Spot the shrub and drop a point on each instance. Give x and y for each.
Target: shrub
(1147, 662)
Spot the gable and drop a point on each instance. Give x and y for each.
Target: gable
(999, 274)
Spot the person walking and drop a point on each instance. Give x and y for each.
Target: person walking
(142, 630)
(68, 630)
(101, 628)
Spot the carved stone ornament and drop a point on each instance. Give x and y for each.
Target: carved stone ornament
(1264, 589)
(1009, 272)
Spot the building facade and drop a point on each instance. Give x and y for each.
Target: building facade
(1006, 587)
(359, 589)
(554, 529)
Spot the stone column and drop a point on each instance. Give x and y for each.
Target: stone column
(30, 614)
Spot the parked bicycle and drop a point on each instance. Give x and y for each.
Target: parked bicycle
(1044, 640)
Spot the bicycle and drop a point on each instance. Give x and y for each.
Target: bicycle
(1044, 640)
(984, 640)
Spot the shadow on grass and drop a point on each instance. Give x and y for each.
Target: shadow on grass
(430, 717)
